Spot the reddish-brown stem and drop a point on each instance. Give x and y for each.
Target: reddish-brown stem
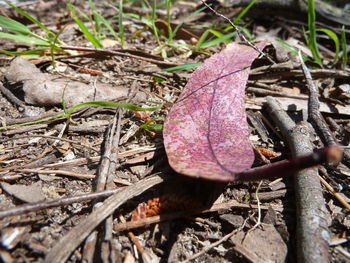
(288, 167)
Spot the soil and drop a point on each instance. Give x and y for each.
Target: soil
(59, 158)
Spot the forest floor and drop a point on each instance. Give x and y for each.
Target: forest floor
(51, 166)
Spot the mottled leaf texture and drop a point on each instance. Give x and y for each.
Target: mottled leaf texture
(206, 133)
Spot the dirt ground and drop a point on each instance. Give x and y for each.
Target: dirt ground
(144, 211)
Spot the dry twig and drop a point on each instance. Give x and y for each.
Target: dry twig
(66, 245)
(49, 137)
(59, 172)
(312, 227)
(166, 217)
(104, 172)
(32, 207)
(101, 51)
(238, 32)
(335, 194)
(314, 115)
(12, 98)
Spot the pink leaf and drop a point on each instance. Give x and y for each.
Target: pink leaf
(206, 134)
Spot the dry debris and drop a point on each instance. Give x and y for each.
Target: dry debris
(98, 187)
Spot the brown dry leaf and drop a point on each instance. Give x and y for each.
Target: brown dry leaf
(266, 244)
(294, 90)
(43, 89)
(266, 152)
(26, 193)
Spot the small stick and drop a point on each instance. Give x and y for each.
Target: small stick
(238, 32)
(101, 182)
(121, 54)
(25, 129)
(316, 73)
(106, 172)
(264, 92)
(205, 221)
(335, 194)
(314, 115)
(259, 209)
(136, 242)
(60, 172)
(334, 125)
(80, 161)
(166, 217)
(146, 254)
(12, 98)
(48, 137)
(32, 207)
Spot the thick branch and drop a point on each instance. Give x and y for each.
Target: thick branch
(312, 228)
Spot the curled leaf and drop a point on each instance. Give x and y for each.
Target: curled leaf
(206, 134)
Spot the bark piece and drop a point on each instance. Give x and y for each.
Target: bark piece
(266, 244)
(26, 193)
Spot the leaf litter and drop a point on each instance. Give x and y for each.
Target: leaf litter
(178, 239)
(43, 89)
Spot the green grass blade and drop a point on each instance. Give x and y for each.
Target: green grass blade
(168, 15)
(152, 126)
(93, 6)
(32, 19)
(247, 33)
(38, 51)
(312, 32)
(96, 18)
(216, 33)
(291, 48)
(344, 58)
(101, 20)
(93, 40)
(25, 39)
(83, 14)
(179, 25)
(153, 21)
(182, 67)
(14, 26)
(120, 23)
(32, 122)
(110, 104)
(218, 40)
(335, 39)
(144, 20)
(202, 39)
(243, 12)
(71, 110)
